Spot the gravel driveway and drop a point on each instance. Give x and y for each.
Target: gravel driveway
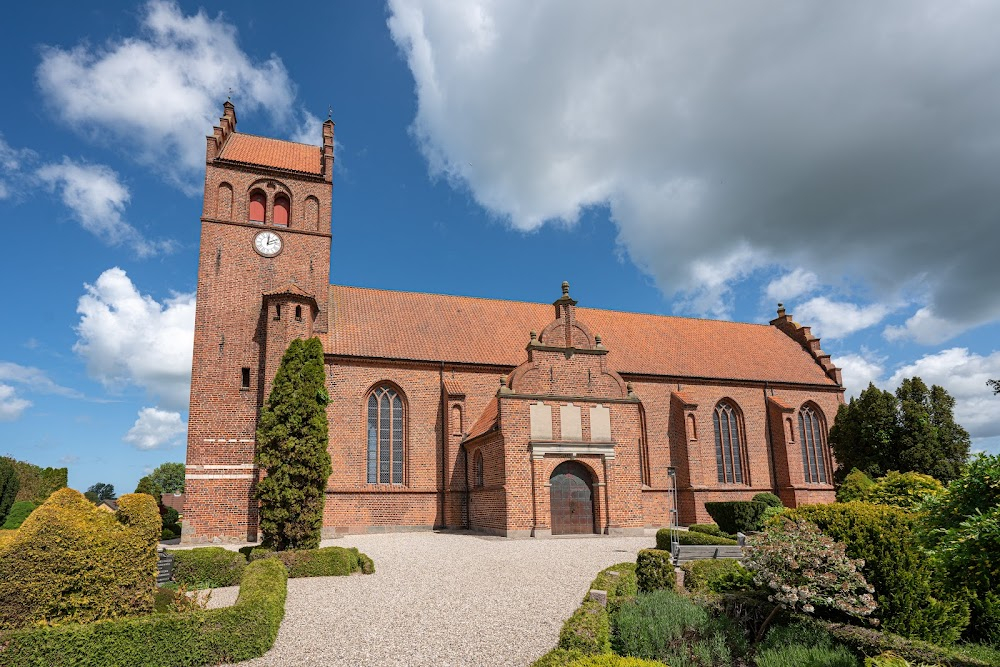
(443, 600)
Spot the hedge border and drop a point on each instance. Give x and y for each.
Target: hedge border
(231, 634)
(689, 537)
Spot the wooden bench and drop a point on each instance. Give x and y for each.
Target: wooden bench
(687, 552)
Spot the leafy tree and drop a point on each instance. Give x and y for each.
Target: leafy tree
(169, 477)
(9, 486)
(913, 430)
(101, 491)
(148, 486)
(292, 449)
(91, 496)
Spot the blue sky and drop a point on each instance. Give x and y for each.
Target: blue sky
(663, 157)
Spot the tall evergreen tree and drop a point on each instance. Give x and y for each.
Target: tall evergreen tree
(10, 484)
(864, 434)
(292, 448)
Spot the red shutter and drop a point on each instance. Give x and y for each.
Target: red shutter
(258, 203)
(281, 210)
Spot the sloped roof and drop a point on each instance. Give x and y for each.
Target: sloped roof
(267, 152)
(435, 327)
(486, 421)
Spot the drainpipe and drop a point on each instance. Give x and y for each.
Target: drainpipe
(442, 502)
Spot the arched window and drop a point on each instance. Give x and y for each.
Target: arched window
(478, 468)
(298, 313)
(385, 436)
(224, 202)
(728, 455)
(281, 210)
(456, 419)
(258, 204)
(311, 217)
(813, 445)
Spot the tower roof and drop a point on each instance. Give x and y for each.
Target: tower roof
(274, 153)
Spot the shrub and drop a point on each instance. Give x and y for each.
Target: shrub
(663, 625)
(654, 570)
(619, 582)
(208, 567)
(867, 642)
(587, 630)
(768, 499)
(688, 537)
(37, 484)
(737, 516)
(233, 634)
(167, 534)
(909, 602)
(709, 529)
(19, 511)
(169, 515)
(562, 658)
(906, 490)
(70, 561)
(9, 486)
(719, 575)
(800, 645)
(856, 486)
(325, 562)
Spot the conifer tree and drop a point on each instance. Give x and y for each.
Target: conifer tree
(292, 449)
(10, 484)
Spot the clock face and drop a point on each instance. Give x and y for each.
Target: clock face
(267, 244)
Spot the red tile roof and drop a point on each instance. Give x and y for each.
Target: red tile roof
(267, 152)
(486, 421)
(436, 327)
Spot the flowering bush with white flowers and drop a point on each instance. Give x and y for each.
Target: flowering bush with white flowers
(803, 569)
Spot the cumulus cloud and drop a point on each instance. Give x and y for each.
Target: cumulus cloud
(924, 327)
(11, 405)
(128, 338)
(851, 138)
(12, 162)
(836, 319)
(161, 90)
(858, 370)
(34, 379)
(97, 198)
(794, 284)
(155, 428)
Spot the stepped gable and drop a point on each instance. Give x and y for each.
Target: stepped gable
(379, 323)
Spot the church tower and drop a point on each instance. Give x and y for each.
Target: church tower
(263, 280)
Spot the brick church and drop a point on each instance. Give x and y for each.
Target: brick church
(502, 417)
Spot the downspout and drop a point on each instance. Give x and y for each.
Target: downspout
(468, 516)
(645, 468)
(444, 447)
(770, 442)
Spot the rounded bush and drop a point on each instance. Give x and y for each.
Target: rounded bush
(717, 575)
(738, 516)
(768, 499)
(654, 570)
(208, 567)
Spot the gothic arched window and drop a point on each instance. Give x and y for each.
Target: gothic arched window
(281, 210)
(478, 468)
(258, 204)
(385, 436)
(813, 444)
(728, 454)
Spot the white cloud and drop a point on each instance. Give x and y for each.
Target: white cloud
(858, 370)
(836, 319)
(97, 198)
(34, 379)
(156, 428)
(792, 285)
(964, 375)
(162, 90)
(11, 405)
(837, 137)
(309, 129)
(128, 338)
(12, 163)
(925, 327)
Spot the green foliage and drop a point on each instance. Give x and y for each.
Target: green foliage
(563, 658)
(37, 484)
(102, 491)
(169, 516)
(911, 431)
(167, 534)
(292, 448)
(890, 659)
(710, 529)
(148, 486)
(587, 630)
(229, 635)
(208, 567)
(910, 603)
(19, 511)
(768, 499)
(868, 642)
(168, 477)
(908, 490)
(804, 569)
(802, 645)
(689, 537)
(663, 625)
(738, 516)
(717, 575)
(619, 582)
(856, 486)
(9, 486)
(70, 561)
(654, 570)
(324, 562)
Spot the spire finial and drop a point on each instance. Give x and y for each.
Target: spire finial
(781, 310)
(565, 288)
(329, 113)
(229, 97)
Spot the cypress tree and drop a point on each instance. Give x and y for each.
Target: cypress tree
(10, 484)
(292, 448)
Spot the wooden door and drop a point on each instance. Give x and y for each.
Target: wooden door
(572, 499)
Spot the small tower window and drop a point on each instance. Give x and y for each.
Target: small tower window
(281, 210)
(478, 469)
(298, 313)
(258, 204)
(277, 311)
(245, 378)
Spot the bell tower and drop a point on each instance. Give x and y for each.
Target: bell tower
(263, 280)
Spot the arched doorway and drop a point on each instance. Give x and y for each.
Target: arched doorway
(572, 499)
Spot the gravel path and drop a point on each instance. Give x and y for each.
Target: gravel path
(443, 600)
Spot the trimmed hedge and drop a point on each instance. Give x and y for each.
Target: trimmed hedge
(716, 575)
(768, 499)
(688, 537)
(562, 658)
(654, 570)
(709, 529)
(620, 587)
(208, 567)
(738, 516)
(19, 511)
(588, 630)
(232, 634)
(323, 562)
(70, 561)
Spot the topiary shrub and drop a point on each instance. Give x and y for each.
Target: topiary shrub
(587, 630)
(717, 575)
(768, 499)
(654, 570)
(909, 601)
(688, 537)
(70, 561)
(19, 511)
(738, 516)
(208, 567)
